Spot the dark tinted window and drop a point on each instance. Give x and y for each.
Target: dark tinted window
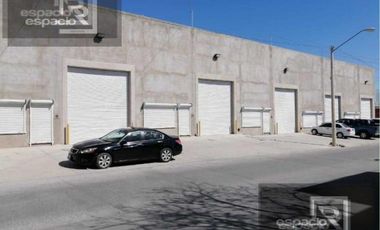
(364, 122)
(327, 125)
(153, 135)
(134, 136)
(338, 126)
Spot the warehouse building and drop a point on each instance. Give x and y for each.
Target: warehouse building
(174, 78)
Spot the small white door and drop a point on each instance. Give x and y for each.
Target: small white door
(41, 123)
(328, 108)
(184, 121)
(285, 110)
(365, 108)
(266, 122)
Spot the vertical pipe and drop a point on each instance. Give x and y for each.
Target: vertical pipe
(333, 134)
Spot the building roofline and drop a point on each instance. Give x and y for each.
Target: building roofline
(233, 37)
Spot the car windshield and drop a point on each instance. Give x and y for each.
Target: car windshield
(114, 136)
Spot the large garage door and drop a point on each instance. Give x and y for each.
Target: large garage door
(285, 110)
(97, 102)
(328, 108)
(214, 107)
(41, 122)
(365, 108)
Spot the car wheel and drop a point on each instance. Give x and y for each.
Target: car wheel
(340, 135)
(363, 135)
(166, 155)
(103, 161)
(314, 132)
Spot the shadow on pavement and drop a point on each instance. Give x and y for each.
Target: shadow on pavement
(362, 190)
(71, 165)
(208, 206)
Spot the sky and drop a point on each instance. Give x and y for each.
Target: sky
(310, 26)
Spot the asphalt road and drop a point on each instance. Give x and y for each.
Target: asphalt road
(220, 194)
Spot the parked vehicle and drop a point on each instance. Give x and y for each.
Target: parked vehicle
(121, 145)
(363, 128)
(342, 131)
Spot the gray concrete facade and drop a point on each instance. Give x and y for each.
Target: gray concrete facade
(165, 61)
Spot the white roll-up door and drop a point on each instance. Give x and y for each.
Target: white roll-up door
(285, 110)
(251, 118)
(97, 102)
(41, 122)
(266, 122)
(365, 108)
(160, 116)
(12, 116)
(328, 108)
(311, 118)
(352, 115)
(184, 116)
(214, 107)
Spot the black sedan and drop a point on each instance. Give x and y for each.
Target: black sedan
(121, 145)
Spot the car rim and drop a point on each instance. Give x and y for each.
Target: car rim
(340, 135)
(104, 161)
(166, 155)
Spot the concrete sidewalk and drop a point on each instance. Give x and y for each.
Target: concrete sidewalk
(42, 162)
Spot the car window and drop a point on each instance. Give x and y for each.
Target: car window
(114, 136)
(338, 126)
(153, 135)
(134, 136)
(327, 125)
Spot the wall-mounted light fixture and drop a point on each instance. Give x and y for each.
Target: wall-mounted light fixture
(366, 82)
(99, 37)
(285, 70)
(216, 57)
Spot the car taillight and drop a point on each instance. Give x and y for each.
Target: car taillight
(178, 141)
(349, 130)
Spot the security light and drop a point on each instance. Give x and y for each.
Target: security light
(285, 70)
(99, 37)
(370, 29)
(366, 82)
(216, 57)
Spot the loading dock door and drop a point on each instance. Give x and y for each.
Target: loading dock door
(365, 108)
(285, 110)
(328, 108)
(41, 122)
(214, 107)
(97, 102)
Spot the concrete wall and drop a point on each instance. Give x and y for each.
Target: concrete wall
(166, 61)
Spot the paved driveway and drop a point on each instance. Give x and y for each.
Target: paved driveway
(212, 185)
(42, 162)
